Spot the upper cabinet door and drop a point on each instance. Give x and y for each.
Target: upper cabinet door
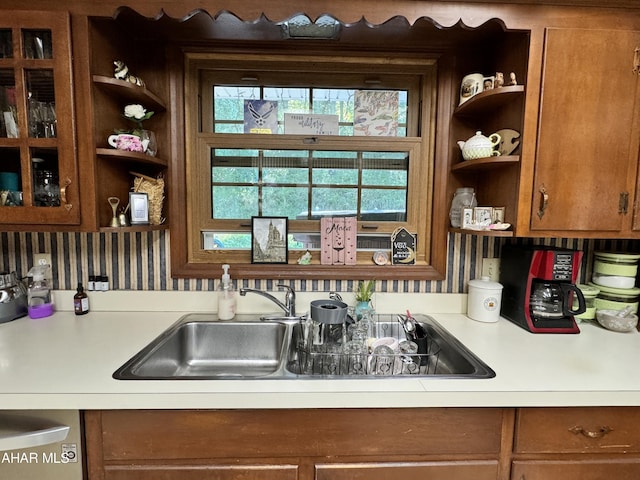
(586, 160)
(38, 170)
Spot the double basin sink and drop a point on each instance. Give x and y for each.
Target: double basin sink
(200, 347)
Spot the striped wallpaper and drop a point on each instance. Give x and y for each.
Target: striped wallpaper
(140, 261)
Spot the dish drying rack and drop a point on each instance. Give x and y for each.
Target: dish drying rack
(333, 361)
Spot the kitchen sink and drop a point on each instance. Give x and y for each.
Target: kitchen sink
(199, 346)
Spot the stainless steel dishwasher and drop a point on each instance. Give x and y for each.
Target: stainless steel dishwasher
(42, 444)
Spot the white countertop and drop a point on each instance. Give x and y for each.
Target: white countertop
(66, 362)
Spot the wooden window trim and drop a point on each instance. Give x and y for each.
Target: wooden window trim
(199, 263)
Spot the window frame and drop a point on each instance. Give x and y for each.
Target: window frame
(420, 119)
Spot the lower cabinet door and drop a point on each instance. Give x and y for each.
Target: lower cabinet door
(451, 470)
(606, 469)
(202, 472)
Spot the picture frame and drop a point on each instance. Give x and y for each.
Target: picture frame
(269, 240)
(467, 218)
(497, 215)
(482, 215)
(139, 208)
(488, 83)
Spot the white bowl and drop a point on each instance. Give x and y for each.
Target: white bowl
(610, 320)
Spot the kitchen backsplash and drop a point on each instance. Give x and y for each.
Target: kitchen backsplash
(140, 261)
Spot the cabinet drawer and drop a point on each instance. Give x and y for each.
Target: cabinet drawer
(211, 434)
(409, 471)
(628, 469)
(202, 472)
(565, 430)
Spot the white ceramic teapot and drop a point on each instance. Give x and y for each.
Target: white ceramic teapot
(480, 146)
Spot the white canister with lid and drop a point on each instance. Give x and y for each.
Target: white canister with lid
(484, 299)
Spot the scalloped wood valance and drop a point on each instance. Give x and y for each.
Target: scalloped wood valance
(202, 26)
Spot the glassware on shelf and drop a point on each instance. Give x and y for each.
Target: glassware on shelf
(46, 188)
(37, 44)
(42, 119)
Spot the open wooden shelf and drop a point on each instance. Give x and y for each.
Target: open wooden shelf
(131, 156)
(134, 228)
(486, 102)
(486, 233)
(129, 92)
(486, 163)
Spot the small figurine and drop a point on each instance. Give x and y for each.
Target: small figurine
(122, 73)
(305, 259)
(499, 81)
(512, 79)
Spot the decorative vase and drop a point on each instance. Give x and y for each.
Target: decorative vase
(362, 307)
(149, 144)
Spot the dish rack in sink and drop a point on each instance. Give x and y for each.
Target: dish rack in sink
(332, 359)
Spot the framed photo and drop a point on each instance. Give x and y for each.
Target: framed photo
(139, 208)
(467, 218)
(488, 83)
(269, 240)
(482, 215)
(498, 215)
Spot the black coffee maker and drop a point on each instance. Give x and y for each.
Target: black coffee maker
(539, 288)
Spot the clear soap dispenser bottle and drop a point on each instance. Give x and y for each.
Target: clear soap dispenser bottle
(226, 296)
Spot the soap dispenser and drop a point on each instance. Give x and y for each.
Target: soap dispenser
(226, 296)
(39, 300)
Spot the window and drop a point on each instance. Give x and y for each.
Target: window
(305, 138)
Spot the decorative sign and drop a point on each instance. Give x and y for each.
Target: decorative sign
(403, 247)
(310, 124)
(376, 113)
(260, 116)
(338, 240)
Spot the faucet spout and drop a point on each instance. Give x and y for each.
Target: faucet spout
(289, 305)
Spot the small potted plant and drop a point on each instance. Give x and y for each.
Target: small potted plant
(363, 292)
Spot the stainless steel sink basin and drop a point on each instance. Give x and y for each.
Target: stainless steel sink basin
(200, 347)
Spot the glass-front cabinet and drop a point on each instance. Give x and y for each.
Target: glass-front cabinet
(38, 175)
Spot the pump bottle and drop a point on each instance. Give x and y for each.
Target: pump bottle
(40, 303)
(226, 296)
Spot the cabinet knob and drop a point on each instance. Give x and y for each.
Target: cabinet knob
(599, 433)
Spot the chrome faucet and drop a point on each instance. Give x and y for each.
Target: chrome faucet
(289, 305)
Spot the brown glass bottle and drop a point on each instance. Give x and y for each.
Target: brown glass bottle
(80, 301)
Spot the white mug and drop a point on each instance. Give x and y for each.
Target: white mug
(471, 85)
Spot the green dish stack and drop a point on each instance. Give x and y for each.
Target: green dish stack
(614, 275)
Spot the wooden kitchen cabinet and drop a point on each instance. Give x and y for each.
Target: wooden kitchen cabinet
(321, 444)
(586, 163)
(494, 179)
(110, 42)
(37, 131)
(437, 470)
(585, 443)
